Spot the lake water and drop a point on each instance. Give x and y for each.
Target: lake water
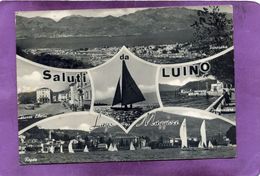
(103, 41)
(169, 98)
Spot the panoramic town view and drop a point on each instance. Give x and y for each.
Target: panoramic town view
(180, 35)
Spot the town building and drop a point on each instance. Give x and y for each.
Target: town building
(80, 95)
(44, 95)
(63, 96)
(218, 87)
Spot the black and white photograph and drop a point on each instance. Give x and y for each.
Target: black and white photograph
(185, 133)
(125, 88)
(168, 133)
(129, 84)
(44, 92)
(206, 85)
(70, 137)
(87, 38)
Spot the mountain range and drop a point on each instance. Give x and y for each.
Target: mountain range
(194, 85)
(143, 22)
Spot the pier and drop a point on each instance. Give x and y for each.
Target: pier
(225, 104)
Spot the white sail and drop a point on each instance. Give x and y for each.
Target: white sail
(203, 134)
(50, 134)
(86, 149)
(52, 149)
(61, 149)
(111, 148)
(200, 145)
(115, 148)
(42, 148)
(70, 148)
(210, 145)
(132, 147)
(183, 134)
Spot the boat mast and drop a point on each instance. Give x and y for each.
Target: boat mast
(127, 91)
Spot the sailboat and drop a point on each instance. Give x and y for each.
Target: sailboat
(70, 147)
(132, 147)
(210, 145)
(115, 148)
(183, 134)
(203, 141)
(200, 145)
(86, 149)
(61, 149)
(111, 148)
(43, 149)
(52, 149)
(95, 125)
(127, 91)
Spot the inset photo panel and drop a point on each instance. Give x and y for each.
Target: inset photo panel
(207, 84)
(69, 138)
(43, 92)
(125, 87)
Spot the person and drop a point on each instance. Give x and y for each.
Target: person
(207, 95)
(226, 97)
(229, 92)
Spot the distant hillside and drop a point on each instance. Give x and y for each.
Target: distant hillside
(195, 85)
(167, 87)
(145, 22)
(199, 85)
(214, 127)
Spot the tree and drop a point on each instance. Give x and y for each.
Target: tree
(147, 139)
(222, 68)
(121, 142)
(213, 27)
(101, 139)
(160, 140)
(66, 137)
(109, 141)
(27, 97)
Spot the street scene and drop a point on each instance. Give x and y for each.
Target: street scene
(39, 98)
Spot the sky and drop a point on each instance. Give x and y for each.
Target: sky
(30, 78)
(224, 8)
(105, 77)
(59, 14)
(78, 121)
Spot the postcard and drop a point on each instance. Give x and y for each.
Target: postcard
(129, 84)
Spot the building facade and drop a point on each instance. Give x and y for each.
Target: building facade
(80, 95)
(44, 95)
